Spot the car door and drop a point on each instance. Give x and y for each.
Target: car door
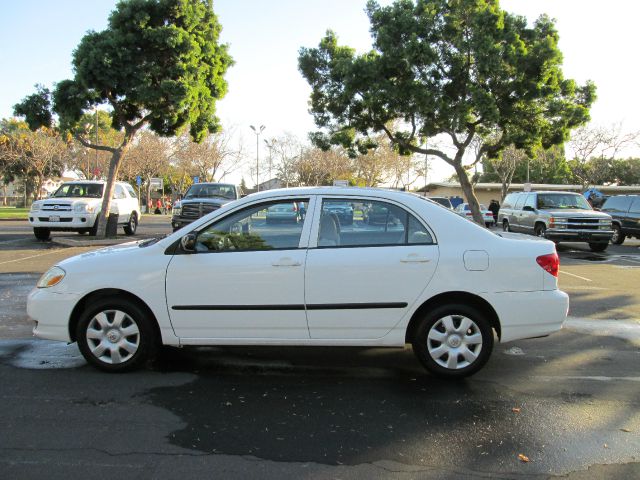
(245, 279)
(516, 225)
(119, 202)
(632, 221)
(363, 277)
(528, 214)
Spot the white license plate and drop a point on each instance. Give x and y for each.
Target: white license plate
(54, 218)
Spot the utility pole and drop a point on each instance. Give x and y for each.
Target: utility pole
(257, 131)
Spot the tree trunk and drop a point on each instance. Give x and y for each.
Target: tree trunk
(469, 194)
(114, 166)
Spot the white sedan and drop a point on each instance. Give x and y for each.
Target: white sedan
(430, 278)
(464, 210)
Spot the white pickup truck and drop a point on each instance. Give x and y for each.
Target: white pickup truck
(75, 207)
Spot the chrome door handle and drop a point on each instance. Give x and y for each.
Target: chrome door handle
(286, 262)
(415, 259)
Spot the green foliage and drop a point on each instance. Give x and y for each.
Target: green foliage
(458, 67)
(159, 62)
(36, 108)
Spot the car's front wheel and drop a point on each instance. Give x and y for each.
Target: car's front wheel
(453, 341)
(131, 227)
(540, 230)
(505, 225)
(42, 233)
(598, 246)
(618, 237)
(116, 335)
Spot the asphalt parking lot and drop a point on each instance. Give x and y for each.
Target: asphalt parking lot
(568, 403)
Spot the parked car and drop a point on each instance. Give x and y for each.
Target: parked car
(289, 212)
(441, 283)
(201, 199)
(444, 201)
(464, 210)
(625, 213)
(75, 207)
(343, 211)
(558, 216)
(377, 214)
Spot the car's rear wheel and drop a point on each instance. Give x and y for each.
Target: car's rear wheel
(505, 225)
(131, 227)
(42, 233)
(453, 341)
(116, 335)
(598, 246)
(618, 237)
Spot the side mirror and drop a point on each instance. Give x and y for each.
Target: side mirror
(188, 242)
(527, 208)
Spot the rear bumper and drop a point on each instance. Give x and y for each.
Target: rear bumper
(529, 314)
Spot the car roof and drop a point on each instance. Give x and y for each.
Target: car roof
(337, 191)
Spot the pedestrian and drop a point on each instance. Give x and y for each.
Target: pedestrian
(158, 209)
(167, 205)
(494, 208)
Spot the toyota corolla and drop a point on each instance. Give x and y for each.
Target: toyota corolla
(432, 279)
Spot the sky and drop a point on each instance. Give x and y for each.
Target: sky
(37, 37)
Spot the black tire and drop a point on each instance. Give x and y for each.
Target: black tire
(618, 237)
(598, 246)
(131, 226)
(433, 342)
(505, 225)
(539, 230)
(43, 234)
(116, 335)
(93, 231)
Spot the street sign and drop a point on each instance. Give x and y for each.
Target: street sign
(341, 183)
(196, 179)
(155, 183)
(138, 180)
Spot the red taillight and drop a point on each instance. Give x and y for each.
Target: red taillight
(550, 262)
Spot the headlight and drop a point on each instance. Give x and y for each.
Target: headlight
(36, 206)
(52, 277)
(83, 208)
(605, 226)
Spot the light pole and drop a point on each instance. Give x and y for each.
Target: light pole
(97, 141)
(257, 131)
(270, 146)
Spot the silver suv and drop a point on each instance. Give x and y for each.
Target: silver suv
(558, 216)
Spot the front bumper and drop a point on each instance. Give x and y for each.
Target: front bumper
(51, 312)
(62, 220)
(563, 235)
(177, 222)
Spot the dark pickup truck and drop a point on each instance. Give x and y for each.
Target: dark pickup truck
(200, 199)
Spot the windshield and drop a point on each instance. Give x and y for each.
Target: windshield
(203, 190)
(86, 190)
(562, 200)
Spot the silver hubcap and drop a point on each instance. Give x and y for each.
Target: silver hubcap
(616, 234)
(113, 336)
(454, 342)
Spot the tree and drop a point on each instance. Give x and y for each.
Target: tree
(148, 157)
(212, 159)
(594, 149)
(158, 64)
(504, 166)
(457, 68)
(33, 155)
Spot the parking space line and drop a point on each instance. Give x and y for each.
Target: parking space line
(27, 258)
(576, 276)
